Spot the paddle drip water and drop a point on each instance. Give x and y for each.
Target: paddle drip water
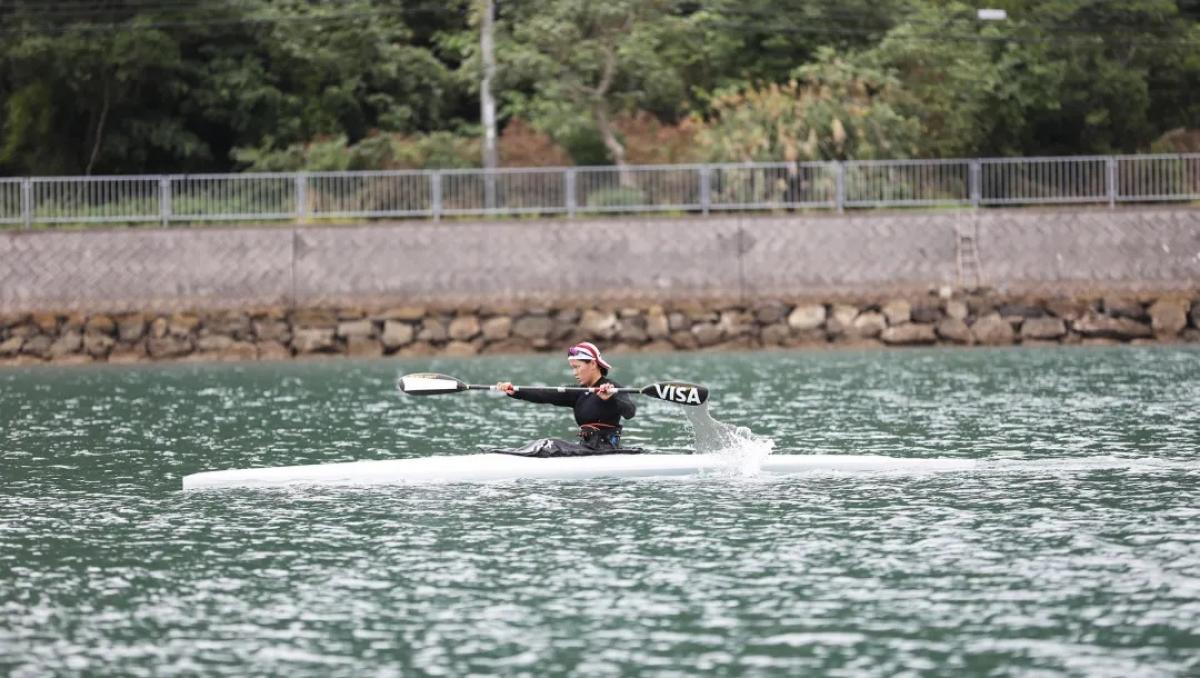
(743, 449)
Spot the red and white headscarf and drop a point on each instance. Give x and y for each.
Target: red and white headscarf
(586, 350)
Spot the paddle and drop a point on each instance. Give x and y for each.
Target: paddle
(429, 383)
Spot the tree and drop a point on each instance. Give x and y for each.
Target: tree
(588, 61)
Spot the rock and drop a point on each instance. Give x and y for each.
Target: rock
(1021, 310)
(1190, 335)
(926, 314)
(271, 330)
(432, 329)
(1043, 328)
(632, 331)
(992, 330)
(841, 319)
(236, 325)
(1124, 307)
(213, 342)
(11, 346)
(684, 340)
(495, 329)
(404, 313)
(182, 325)
(1168, 317)
(419, 349)
(1094, 325)
(807, 317)
(238, 351)
(125, 354)
(957, 310)
(776, 334)
(868, 324)
(464, 328)
(273, 350)
(1194, 314)
(344, 314)
(37, 345)
(11, 319)
(954, 330)
(506, 346)
(459, 349)
(70, 342)
(359, 346)
(677, 322)
(533, 327)
(47, 323)
(168, 346)
(806, 338)
(657, 326)
(736, 323)
(599, 324)
(769, 313)
(158, 328)
(567, 316)
(96, 344)
(131, 328)
(897, 312)
(100, 324)
(909, 334)
(314, 319)
(24, 331)
(706, 334)
(945, 292)
(72, 322)
(356, 328)
(313, 340)
(1067, 309)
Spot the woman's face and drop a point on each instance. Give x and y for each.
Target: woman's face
(586, 372)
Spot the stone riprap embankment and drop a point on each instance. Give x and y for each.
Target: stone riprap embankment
(941, 317)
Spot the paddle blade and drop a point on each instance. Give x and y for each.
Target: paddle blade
(679, 392)
(429, 383)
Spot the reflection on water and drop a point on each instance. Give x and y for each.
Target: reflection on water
(1072, 550)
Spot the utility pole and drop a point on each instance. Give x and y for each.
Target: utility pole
(487, 104)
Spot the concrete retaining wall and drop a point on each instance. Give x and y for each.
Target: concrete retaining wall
(628, 260)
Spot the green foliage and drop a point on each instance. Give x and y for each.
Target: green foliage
(622, 196)
(129, 86)
(836, 110)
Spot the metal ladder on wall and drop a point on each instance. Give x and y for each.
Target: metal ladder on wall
(970, 270)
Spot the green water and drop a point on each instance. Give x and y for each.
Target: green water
(1075, 551)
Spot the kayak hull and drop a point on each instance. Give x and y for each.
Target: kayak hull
(501, 467)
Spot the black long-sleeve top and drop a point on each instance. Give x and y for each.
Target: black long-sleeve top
(589, 407)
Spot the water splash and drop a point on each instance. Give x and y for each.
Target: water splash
(742, 450)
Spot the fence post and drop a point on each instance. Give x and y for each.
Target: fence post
(164, 201)
(705, 189)
(569, 191)
(27, 202)
(840, 190)
(435, 195)
(976, 182)
(1111, 165)
(301, 196)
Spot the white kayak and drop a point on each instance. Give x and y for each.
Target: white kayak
(500, 467)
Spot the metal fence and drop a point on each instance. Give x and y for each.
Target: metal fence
(305, 196)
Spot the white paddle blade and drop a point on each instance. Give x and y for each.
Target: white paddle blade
(679, 392)
(428, 383)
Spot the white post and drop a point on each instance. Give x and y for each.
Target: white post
(27, 202)
(301, 196)
(164, 200)
(487, 104)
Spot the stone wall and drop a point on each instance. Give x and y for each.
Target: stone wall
(944, 316)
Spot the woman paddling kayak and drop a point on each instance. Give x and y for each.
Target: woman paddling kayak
(598, 412)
